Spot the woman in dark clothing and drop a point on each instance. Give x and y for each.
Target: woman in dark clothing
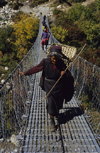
(53, 67)
(44, 18)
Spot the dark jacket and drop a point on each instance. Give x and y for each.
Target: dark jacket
(64, 87)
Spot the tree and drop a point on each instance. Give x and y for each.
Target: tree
(4, 39)
(25, 32)
(60, 33)
(75, 12)
(97, 4)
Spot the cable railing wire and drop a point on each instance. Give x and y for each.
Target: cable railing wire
(16, 95)
(87, 85)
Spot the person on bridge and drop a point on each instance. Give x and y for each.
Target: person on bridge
(44, 18)
(44, 26)
(52, 68)
(45, 38)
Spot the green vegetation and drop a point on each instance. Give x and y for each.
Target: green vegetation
(75, 27)
(25, 33)
(97, 4)
(86, 103)
(15, 41)
(92, 111)
(75, 36)
(0, 19)
(37, 2)
(78, 0)
(61, 34)
(83, 26)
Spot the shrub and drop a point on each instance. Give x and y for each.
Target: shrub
(86, 103)
(97, 4)
(75, 34)
(60, 33)
(25, 33)
(75, 12)
(37, 2)
(56, 11)
(4, 39)
(0, 19)
(78, 0)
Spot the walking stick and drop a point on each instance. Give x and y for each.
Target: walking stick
(61, 75)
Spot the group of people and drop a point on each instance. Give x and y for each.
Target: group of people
(52, 68)
(45, 34)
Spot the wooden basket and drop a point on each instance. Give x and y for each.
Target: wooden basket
(68, 51)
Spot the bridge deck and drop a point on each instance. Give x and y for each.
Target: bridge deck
(76, 134)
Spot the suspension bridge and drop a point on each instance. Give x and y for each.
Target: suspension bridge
(25, 124)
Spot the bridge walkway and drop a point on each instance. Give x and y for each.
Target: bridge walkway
(76, 134)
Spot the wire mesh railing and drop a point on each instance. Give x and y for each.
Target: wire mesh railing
(87, 93)
(15, 100)
(16, 95)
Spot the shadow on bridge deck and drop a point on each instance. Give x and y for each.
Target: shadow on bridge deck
(75, 132)
(30, 121)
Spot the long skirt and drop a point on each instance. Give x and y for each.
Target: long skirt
(55, 98)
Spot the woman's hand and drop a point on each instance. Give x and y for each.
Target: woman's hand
(62, 73)
(21, 73)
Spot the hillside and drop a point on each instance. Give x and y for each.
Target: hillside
(80, 30)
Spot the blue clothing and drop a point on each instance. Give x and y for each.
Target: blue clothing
(44, 35)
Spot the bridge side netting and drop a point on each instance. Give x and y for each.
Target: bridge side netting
(15, 100)
(16, 94)
(87, 90)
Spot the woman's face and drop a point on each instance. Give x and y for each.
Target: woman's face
(53, 60)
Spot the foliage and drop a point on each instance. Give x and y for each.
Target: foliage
(11, 55)
(75, 34)
(15, 4)
(0, 19)
(60, 32)
(17, 17)
(78, 0)
(87, 22)
(83, 25)
(5, 59)
(92, 55)
(7, 54)
(97, 4)
(75, 12)
(90, 29)
(56, 11)
(25, 32)
(9, 118)
(86, 103)
(96, 16)
(88, 13)
(37, 2)
(4, 39)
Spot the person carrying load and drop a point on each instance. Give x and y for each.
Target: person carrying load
(52, 68)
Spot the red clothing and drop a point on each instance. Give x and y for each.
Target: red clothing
(37, 68)
(54, 67)
(44, 41)
(63, 89)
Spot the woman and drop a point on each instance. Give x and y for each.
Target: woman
(53, 67)
(44, 38)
